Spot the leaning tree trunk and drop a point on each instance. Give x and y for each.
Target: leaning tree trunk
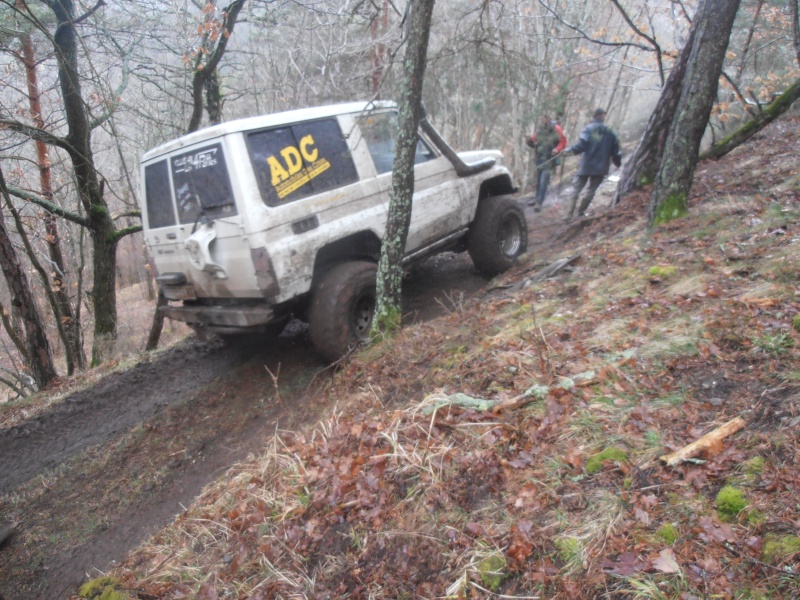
(669, 198)
(390, 268)
(770, 112)
(37, 347)
(640, 168)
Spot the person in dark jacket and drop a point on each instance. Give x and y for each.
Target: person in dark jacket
(548, 141)
(599, 146)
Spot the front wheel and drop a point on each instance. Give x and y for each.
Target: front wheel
(342, 306)
(498, 235)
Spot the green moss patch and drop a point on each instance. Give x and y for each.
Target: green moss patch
(103, 588)
(730, 502)
(668, 533)
(491, 570)
(752, 469)
(673, 207)
(754, 466)
(595, 463)
(662, 270)
(570, 550)
(777, 548)
(796, 323)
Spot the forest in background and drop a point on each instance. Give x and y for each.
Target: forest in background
(88, 87)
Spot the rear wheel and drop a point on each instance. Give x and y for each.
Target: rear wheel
(498, 235)
(342, 306)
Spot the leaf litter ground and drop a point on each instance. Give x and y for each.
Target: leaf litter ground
(421, 482)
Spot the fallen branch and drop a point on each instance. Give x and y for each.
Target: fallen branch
(709, 440)
(514, 403)
(555, 267)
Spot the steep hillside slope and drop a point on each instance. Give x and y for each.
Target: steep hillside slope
(511, 448)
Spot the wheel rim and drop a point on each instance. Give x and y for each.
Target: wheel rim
(510, 236)
(363, 309)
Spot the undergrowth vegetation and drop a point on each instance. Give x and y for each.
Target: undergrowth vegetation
(511, 448)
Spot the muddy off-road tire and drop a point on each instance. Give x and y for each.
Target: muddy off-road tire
(342, 305)
(498, 235)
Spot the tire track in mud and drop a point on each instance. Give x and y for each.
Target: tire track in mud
(116, 403)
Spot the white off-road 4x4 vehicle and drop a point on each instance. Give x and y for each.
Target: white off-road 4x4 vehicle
(252, 221)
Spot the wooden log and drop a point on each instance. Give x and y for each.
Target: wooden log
(514, 403)
(709, 440)
(555, 267)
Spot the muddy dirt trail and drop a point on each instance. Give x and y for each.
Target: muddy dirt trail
(105, 467)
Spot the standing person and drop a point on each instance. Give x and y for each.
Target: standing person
(599, 146)
(548, 141)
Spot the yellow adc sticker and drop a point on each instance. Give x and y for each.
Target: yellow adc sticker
(290, 174)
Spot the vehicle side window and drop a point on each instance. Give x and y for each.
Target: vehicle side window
(160, 212)
(294, 162)
(202, 186)
(379, 131)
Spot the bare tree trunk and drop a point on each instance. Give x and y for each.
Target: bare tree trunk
(390, 268)
(157, 326)
(640, 168)
(378, 51)
(37, 348)
(101, 226)
(746, 48)
(214, 99)
(205, 70)
(793, 6)
(669, 198)
(68, 326)
(13, 332)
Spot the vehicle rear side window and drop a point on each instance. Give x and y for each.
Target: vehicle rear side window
(297, 161)
(160, 212)
(202, 186)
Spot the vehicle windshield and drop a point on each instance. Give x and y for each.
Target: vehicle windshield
(380, 130)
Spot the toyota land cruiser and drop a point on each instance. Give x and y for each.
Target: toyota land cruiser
(252, 221)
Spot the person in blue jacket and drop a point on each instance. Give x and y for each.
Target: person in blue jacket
(599, 146)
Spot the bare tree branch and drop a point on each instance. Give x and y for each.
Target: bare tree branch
(47, 205)
(589, 38)
(651, 40)
(34, 133)
(90, 12)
